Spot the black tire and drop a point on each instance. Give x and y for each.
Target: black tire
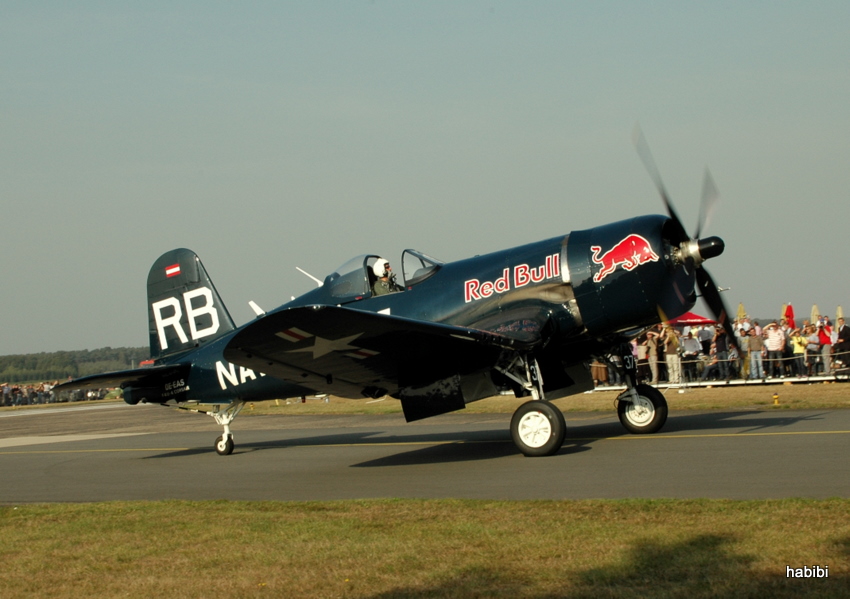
(648, 416)
(224, 446)
(538, 428)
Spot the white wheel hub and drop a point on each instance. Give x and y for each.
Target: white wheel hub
(640, 411)
(534, 429)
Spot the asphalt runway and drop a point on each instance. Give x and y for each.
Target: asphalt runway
(110, 452)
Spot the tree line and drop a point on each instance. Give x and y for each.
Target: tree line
(58, 366)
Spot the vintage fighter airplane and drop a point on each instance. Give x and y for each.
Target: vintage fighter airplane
(526, 319)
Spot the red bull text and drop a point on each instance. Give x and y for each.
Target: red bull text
(523, 274)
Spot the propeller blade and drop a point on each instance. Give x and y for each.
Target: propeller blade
(649, 163)
(710, 197)
(709, 292)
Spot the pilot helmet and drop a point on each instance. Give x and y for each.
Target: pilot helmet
(381, 268)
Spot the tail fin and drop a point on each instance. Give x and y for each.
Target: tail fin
(184, 309)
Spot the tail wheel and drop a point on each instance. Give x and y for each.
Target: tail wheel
(538, 428)
(224, 445)
(645, 415)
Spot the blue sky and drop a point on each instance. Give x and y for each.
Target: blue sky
(270, 135)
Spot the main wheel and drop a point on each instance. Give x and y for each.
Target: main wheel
(647, 415)
(538, 428)
(224, 446)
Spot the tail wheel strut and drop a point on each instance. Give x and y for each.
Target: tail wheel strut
(224, 444)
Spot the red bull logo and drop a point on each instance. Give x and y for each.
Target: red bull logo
(631, 252)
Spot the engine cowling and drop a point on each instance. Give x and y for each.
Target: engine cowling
(626, 275)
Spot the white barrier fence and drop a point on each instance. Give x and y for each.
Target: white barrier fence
(813, 365)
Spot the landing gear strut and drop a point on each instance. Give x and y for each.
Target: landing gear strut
(224, 444)
(642, 409)
(537, 427)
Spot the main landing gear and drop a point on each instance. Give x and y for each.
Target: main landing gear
(537, 427)
(642, 409)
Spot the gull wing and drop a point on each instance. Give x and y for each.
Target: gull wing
(354, 353)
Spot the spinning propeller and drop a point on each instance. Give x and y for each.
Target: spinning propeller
(692, 251)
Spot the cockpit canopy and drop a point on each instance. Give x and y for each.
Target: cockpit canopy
(353, 280)
(417, 267)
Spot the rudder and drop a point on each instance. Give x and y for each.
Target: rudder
(184, 308)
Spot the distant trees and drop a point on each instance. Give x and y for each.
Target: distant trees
(58, 366)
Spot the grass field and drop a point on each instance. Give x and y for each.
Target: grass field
(440, 548)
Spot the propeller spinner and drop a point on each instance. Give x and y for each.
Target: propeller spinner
(692, 251)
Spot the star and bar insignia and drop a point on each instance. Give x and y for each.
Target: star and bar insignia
(322, 346)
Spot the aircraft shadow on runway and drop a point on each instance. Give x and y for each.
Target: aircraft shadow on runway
(465, 445)
(579, 438)
(465, 450)
(347, 438)
(727, 420)
(459, 439)
(446, 453)
(445, 447)
(689, 423)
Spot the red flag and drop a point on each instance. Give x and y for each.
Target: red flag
(172, 271)
(789, 316)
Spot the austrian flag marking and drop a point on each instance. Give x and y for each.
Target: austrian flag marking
(523, 274)
(172, 271)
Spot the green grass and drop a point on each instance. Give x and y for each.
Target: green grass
(425, 548)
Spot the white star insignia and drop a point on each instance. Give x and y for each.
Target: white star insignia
(322, 346)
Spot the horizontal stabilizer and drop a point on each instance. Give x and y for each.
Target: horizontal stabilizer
(138, 377)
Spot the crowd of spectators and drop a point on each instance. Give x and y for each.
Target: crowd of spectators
(700, 353)
(42, 393)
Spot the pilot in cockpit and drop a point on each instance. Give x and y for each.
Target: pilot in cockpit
(385, 282)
